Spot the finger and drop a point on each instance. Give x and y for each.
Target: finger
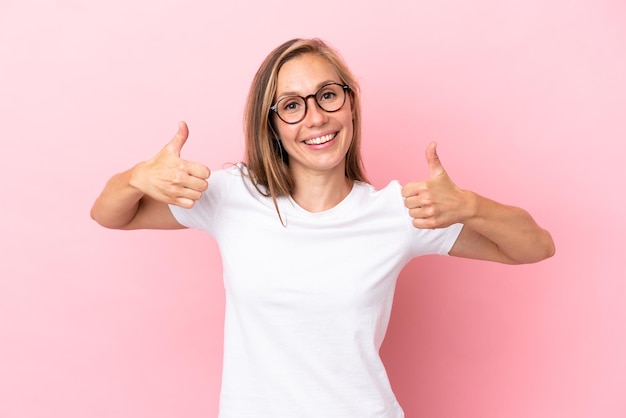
(412, 202)
(422, 212)
(188, 193)
(198, 170)
(196, 184)
(425, 223)
(176, 144)
(413, 189)
(184, 202)
(182, 195)
(434, 163)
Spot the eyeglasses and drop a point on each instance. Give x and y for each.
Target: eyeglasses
(330, 97)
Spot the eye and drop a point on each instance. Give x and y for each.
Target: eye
(327, 94)
(290, 105)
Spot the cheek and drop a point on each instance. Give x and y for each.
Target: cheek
(280, 129)
(286, 133)
(348, 122)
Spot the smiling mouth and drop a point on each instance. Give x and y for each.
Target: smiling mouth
(320, 140)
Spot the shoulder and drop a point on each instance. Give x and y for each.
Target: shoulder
(367, 204)
(229, 172)
(228, 187)
(387, 204)
(391, 194)
(230, 177)
(392, 187)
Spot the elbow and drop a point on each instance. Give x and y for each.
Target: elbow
(541, 249)
(104, 221)
(549, 247)
(544, 248)
(94, 215)
(101, 221)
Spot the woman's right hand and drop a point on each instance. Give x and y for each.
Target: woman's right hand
(168, 178)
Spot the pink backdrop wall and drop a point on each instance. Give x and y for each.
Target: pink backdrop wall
(527, 102)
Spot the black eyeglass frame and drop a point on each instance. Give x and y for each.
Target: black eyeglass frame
(345, 87)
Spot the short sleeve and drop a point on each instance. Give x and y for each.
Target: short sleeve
(423, 241)
(436, 241)
(204, 212)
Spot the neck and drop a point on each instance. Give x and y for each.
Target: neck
(318, 193)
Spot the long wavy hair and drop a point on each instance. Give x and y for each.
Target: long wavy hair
(266, 160)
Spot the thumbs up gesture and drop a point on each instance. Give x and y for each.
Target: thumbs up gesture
(170, 179)
(436, 202)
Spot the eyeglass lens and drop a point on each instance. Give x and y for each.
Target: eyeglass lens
(330, 97)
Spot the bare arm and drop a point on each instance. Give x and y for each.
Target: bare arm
(492, 231)
(506, 234)
(139, 198)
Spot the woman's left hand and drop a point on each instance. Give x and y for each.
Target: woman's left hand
(436, 202)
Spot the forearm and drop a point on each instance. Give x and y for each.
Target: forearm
(118, 203)
(514, 233)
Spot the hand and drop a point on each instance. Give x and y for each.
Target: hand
(436, 202)
(170, 179)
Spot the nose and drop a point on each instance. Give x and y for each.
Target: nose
(315, 115)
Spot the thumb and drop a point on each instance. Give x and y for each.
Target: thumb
(176, 144)
(434, 164)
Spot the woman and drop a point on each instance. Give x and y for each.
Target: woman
(311, 252)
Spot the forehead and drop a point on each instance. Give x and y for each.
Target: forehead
(305, 74)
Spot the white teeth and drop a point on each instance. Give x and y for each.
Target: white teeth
(320, 140)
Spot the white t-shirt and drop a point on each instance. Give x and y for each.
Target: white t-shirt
(307, 304)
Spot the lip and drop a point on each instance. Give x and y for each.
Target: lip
(324, 137)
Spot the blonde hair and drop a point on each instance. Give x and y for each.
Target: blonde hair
(267, 162)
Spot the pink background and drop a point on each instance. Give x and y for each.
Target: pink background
(527, 100)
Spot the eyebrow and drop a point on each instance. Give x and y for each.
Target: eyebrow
(293, 93)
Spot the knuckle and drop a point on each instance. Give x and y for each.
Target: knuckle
(178, 177)
(413, 202)
(430, 223)
(171, 190)
(186, 203)
(418, 223)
